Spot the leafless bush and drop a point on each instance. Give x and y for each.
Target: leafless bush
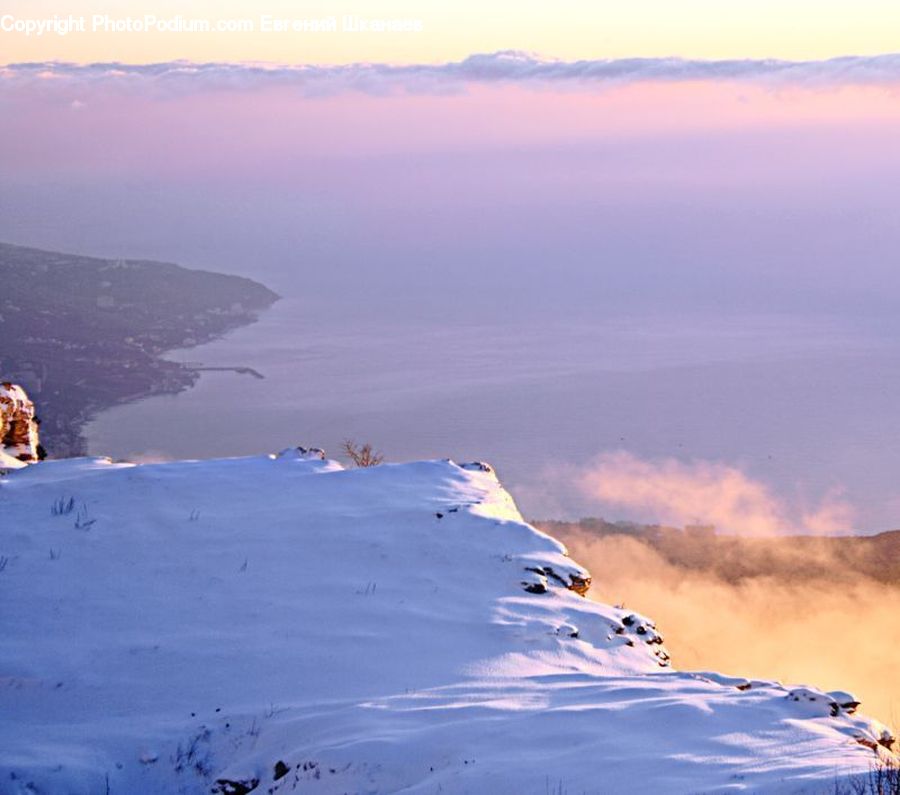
(361, 455)
(62, 506)
(882, 779)
(83, 520)
(195, 754)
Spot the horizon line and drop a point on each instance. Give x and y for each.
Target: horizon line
(499, 67)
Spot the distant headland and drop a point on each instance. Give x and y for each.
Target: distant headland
(82, 334)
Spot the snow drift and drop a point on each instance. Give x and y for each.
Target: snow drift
(280, 624)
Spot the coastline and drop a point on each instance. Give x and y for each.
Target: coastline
(172, 378)
(84, 334)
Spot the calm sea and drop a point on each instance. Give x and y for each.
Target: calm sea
(802, 407)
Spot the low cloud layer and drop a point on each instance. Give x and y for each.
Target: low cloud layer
(802, 614)
(511, 67)
(679, 493)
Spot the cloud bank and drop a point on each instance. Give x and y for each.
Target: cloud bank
(706, 492)
(506, 67)
(804, 614)
(620, 485)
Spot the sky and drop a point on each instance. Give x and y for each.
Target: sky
(566, 29)
(752, 193)
(690, 154)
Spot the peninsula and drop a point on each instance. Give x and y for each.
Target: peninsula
(82, 334)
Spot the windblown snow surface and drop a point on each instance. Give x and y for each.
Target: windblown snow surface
(280, 624)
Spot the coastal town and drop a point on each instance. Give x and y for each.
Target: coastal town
(81, 334)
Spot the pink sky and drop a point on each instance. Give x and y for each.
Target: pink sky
(266, 132)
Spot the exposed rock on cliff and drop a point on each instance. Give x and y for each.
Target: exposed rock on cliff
(19, 443)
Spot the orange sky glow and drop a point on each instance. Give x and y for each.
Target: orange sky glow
(568, 29)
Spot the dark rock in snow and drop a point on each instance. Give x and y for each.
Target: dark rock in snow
(226, 786)
(281, 770)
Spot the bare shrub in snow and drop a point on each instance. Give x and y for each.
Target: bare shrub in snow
(62, 506)
(361, 455)
(882, 779)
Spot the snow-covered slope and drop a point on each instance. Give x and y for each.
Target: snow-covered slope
(279, 624)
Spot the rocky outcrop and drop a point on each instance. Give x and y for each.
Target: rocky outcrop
(19, 440)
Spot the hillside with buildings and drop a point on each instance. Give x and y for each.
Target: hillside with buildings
(81, 334)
